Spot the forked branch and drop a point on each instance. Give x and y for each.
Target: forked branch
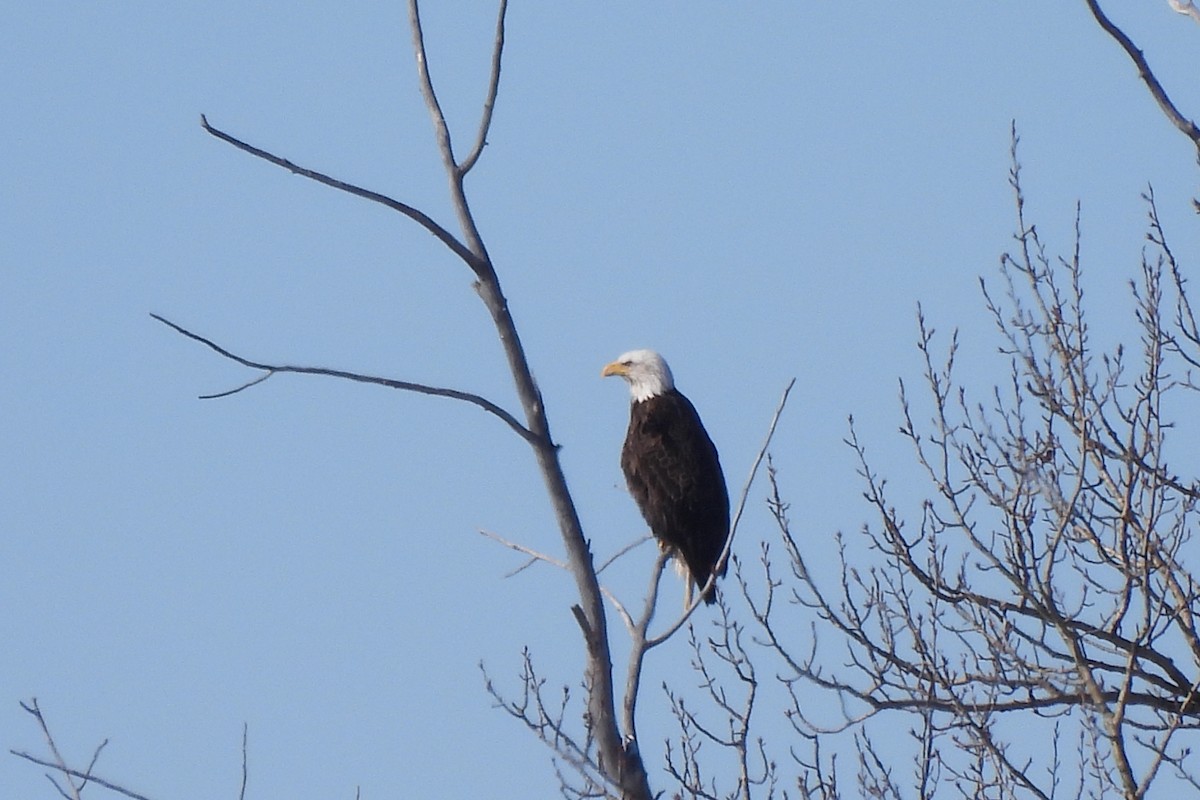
(391, 383)
(622, 764)
(57, 763)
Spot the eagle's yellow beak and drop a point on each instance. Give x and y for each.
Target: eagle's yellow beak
(615, 368)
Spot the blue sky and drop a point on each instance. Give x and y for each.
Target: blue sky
(758, 191)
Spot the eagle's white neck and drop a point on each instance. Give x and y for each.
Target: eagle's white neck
(646, 390)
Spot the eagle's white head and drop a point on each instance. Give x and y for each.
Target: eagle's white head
(645, 371)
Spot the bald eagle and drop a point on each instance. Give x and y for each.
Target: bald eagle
(672, 468)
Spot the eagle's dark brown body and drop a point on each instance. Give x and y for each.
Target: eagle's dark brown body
(675, 476)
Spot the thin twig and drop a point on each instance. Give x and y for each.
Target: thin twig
(74, 773)
(535, 555)
(627, 548)
(243, 387)
(441, 129)
(245, 769)
(489, 282)
(489, 104)
(408, 386)
(639, 646)
(92, 764)
(59, 762)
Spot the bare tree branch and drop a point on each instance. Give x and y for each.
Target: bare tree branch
(60, 766)
(420, 217)
(624, 550)
(245, 759)
(408, 386)
(489, 104)
(638, 646)
(546, 719)
(1185, 125)
(534, 555)
(85, 776)
(32, 708)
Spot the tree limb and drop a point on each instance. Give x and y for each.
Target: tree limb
(59, 764)
(408, 386)
(1185, 125)
(489, 104)
(416, 215)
